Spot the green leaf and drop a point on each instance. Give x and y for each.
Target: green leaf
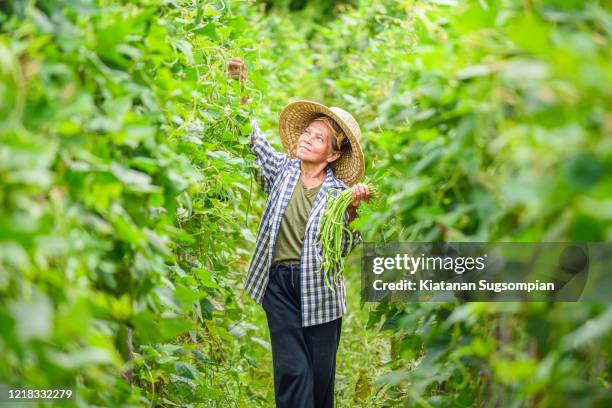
(172, 327)
(186, 296)
(186, 370)
(206, 278)
(33, 318)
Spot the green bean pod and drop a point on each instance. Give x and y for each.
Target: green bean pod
(330, 234)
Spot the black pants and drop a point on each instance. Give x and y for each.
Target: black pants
(304, 358)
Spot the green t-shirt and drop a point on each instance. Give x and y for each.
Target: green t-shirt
(293, 225)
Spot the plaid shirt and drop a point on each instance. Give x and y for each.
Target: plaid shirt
(277, 175)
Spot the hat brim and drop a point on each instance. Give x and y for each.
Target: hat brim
(296, 116)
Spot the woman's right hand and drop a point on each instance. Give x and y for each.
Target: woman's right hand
(237, 69)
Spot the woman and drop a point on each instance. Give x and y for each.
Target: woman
(304, 315)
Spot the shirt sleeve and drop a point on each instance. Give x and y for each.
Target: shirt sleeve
(269, 161)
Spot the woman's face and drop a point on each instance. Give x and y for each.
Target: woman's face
(314, 144)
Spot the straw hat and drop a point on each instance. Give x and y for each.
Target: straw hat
(296, 116)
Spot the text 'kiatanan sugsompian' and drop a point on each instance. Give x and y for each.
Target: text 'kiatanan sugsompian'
(430, 285)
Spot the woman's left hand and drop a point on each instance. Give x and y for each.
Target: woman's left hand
(360, 193)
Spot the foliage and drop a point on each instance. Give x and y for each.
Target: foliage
(122, 159)
(126, 208)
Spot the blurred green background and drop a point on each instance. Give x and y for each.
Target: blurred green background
(128, 209)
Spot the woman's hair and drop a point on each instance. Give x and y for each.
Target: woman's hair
(345, 144)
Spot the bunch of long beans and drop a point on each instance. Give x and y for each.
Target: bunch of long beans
(330, 234)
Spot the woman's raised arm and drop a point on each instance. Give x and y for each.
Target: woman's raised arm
(269, 159)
